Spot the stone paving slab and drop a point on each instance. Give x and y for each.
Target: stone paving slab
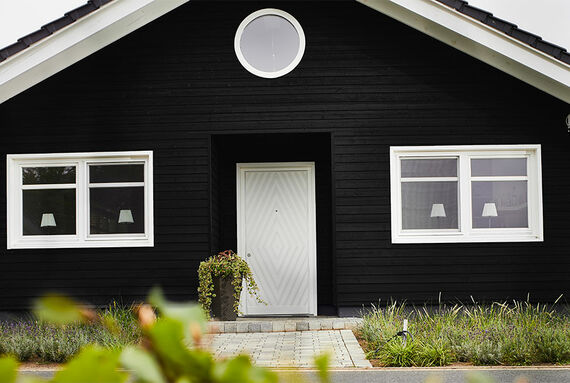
(291, 348)
(282, 324)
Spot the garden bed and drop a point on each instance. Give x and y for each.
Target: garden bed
(499, 334)
(30, 340)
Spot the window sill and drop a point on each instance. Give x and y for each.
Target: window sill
(464, 238)
(77, 244)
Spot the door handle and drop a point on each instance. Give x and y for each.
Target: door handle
(248, 255)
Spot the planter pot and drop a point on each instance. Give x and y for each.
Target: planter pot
(223, 302)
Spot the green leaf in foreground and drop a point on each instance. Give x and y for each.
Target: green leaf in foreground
(143, 365)
(58, 309)
(30, 379)
(191, 316)
(92, 365)
(8, 370)
(240, 369)
(176, 359)
(322, 365)
(477, 377)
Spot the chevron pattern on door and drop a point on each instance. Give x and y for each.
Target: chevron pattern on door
(278, 239)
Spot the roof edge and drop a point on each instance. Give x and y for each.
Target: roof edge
(71, 44)
(481, 41)
(51, 27)
(509, 29)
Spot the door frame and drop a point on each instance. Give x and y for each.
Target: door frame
(241, 170)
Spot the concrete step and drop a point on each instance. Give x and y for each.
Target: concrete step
(254, 325)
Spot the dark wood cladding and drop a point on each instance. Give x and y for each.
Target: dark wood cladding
(366, 82)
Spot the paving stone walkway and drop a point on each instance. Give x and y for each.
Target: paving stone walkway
(291, 349)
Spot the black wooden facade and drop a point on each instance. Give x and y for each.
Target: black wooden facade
(366, 82)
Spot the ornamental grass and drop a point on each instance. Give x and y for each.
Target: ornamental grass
(519, 333)
(31, 340)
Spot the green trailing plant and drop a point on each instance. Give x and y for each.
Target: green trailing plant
(226, 264)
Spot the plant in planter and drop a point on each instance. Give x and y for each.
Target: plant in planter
(221, 279)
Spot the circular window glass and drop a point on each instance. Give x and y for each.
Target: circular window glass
(269, 43)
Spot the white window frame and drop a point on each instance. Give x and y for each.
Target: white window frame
(466, 233)
(81, 238)
(264, 12)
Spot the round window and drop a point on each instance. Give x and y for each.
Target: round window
(269, 43)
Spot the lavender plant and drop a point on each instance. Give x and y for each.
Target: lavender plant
(32, 339)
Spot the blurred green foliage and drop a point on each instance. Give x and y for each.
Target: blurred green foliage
(169, 349)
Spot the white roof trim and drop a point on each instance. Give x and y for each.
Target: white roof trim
(77, 41)
(482, 42)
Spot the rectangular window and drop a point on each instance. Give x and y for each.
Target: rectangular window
(80, 200)
(466, 194)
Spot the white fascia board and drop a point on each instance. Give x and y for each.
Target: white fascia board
(482, 42)
(77, 41)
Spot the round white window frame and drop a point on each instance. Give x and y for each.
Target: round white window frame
(264, 12)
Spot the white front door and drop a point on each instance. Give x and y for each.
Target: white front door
(277, 236)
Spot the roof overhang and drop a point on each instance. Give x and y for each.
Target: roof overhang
(77, 41)
(482, 42)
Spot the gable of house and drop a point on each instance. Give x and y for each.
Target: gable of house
(89, 28)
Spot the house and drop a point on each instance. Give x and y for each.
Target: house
(351, 152)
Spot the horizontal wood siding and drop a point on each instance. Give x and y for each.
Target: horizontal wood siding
(368, 81)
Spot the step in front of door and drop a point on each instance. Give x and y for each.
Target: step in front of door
(280, 325)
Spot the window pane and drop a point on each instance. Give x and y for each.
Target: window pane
(498, 167)
(429, 205)
(49, 212)
(429, 168)
(116, 210)
(269, 43)
(48, 175)
(116, 173)
(500, 204)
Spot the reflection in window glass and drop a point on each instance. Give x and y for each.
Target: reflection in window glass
(116, 210)
(49, 212)
(116, 173)
(429, 205)
(429, 168)
(269, 43)
(499, 204)
(498, 167)
(48, 175)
